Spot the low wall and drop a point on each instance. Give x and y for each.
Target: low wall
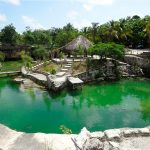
(113, 139)
(29, 76)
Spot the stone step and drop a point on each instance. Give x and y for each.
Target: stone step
(60, 74)
(64, 69)
(70, 62)
(67, 66)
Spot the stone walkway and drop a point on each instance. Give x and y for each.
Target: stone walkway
(38, 76)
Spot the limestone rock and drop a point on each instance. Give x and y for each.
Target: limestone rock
(98, 135)
(93, 144)
(130, 132)
(82, 138)
(144, 131)
(113, 134)
(18, 80)
(113, 146)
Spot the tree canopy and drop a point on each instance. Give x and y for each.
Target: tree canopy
(40, 53)
(107, 50)
(133, 32)
(8, 35)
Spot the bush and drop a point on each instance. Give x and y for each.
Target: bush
(53, 71)
(65, 130)
(2, 56)
(104, 50)
(27, 60)
(40, 53)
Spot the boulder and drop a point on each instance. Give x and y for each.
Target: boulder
(130, 132)
(144, 131)
(98, 135)
(93, 144)
(113, 134)
(82, 138)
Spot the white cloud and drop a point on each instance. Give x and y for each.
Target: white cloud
(13, 2)
(3, 17)
(77, 20)
(72, 14)
(82, 23)
(31, 22)
(90, 4)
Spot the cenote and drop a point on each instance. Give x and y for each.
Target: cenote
(98, 107)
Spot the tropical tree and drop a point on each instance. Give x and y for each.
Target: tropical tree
(8, 35)
(94, 25)
(65, 35)
(104, 50)
(147, 32)
(28, 36)
(40, 53)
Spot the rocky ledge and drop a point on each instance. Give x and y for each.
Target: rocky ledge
(113, 139)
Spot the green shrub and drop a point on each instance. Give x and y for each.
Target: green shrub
(65, 130)
(2, 56)
(53, 71)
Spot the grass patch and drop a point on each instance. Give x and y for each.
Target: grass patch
(78, 67)
(11, 66)
(49, 68)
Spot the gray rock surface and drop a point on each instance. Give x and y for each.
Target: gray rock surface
(113, 134)
(93, 144)
(136, 139)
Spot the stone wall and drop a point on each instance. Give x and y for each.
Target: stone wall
(109, 73)
(135, 60)
(140, 62)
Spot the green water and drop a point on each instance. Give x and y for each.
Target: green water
(98, 107)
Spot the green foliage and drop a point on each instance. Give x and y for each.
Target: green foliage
(53, 71)
(37, 37)
(80, 50)
(127, 31)
(65, 130)
(131, 31)
(40, 53)
(50, 67)
(8, 35)
(61, 55)
(2, 56)
(11, 65)
(107, 50)
(27, 60)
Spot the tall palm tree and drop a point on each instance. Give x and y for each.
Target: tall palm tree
(147, 32)
(112, 32)
(94, 25)
(124, 32)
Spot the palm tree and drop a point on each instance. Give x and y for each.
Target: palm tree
(94, 25)
(113, 32)
(124, 32)
(147, 31)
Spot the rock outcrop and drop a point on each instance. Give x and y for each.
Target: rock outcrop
(113, 139)
(136, 61)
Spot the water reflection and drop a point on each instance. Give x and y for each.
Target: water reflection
(98, 107)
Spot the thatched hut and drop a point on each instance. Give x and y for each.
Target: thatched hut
(74, 45)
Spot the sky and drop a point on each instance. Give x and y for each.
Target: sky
(44, 14)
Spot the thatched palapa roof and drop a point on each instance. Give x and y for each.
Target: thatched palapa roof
(79, 41)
